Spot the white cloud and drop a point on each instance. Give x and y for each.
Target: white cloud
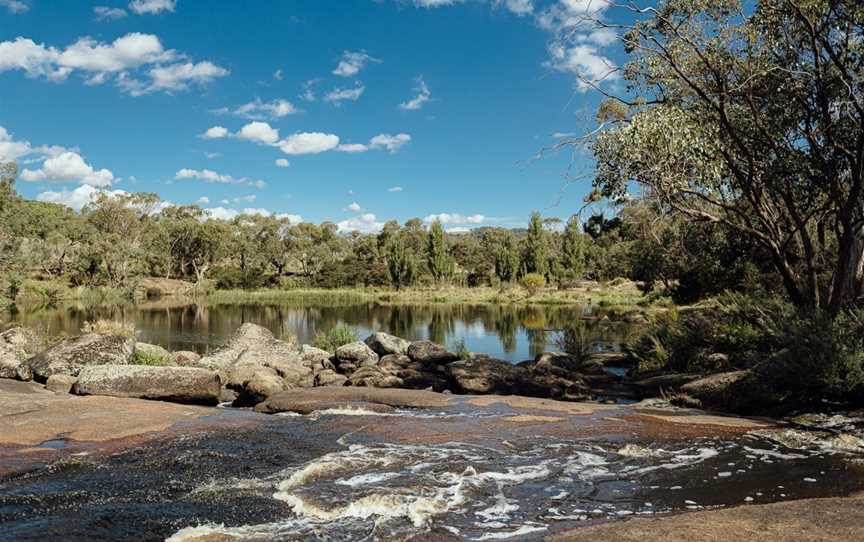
(420, 99)
(308, 93)
(339, 95)
(585, 62)
(291, 218)
(224, 213)
(244, 199)
(308, 143)
(11, 149)
(455, 218)
(68, 167)
(519, 7)
(436, 3)
(259, 132)
(281, 162)
(104, 13)
(258, 110)
(390, 142)
(352, 147)
(352, 63)
(277, 75)
(215, 132)
(121, 59)
(212, 155)
(78, 198)
(14, 6)
(354, 206)
(458, 229)
(395, 189)
(210, 176)
(152, 7)
(365, 223)
(203, 200)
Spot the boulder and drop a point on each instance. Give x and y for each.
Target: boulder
(175, 384)
(310, 400)
(385, 344)
(16, 345)
(415, 375)
(70, 356)
(183, 358)
(328, 377)
(153, 350)
(253, 383)
(316, 358)
(373, 377)
(430, 353)
(352, 356)
(488, 375)
(717, 390)
(60, 383)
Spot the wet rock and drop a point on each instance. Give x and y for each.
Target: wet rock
(430, 353)
(374, 377)
(153, 350)
(70, 356)
(385, 344)
(183, 358)
(716, 391)
(329, 377)
(174, 384)
(60, 383)
(16, 345)
(352, 356)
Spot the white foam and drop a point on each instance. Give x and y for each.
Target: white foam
(523, 530)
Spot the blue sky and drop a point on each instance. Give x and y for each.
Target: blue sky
(391, 108)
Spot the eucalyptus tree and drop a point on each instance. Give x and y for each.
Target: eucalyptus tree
(534, 249)
(437, 254)
(750, 116)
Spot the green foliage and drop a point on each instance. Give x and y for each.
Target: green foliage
(507, 259)
(109, 327)
(335, 337)
(576, 340)
(533, 282)
(573, 248)
(534, 249)
(401, 264)
(147, 358)
(437, 255)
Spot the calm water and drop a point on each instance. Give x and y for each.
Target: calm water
(510, 333)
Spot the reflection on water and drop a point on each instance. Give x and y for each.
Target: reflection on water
(506, 332)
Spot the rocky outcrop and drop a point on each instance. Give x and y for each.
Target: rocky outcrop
(487, 375)
(717, 390)
(60, 383)
(174, 384)
(352, 356)
(414, 374)
(70, 356)
(183, 358)
(430, 353)
(16, 345)
(373, 377)
(308, 401)
(385, 344)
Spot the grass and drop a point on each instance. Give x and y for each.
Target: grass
(335, 337)
(148, 358)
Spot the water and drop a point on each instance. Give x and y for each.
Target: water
(330, 477)
(505, 332)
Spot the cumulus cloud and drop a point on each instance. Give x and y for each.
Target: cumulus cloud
(215, 132)
(395, 189)
(14, 6)
(78, 198)
(352, 63)
(390, 142)
(105, 13)
(277, 75)
(281, 162)
(420, 99)
(138, 63)
(339, 95)
(436, 3)
(203, 200)
(259, 132)
(364, 223)
(519, 7)
(585, 62)
(455, 218)
(308, 143)
(69, 167)
(224, 213)
(10, 149)
(210, 176)
(258, 110)
(152, 7)
(354, 206)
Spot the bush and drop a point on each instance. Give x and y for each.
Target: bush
(335, 337)
(109, 327)
(533, 282)
(147, 358)
(575, 340)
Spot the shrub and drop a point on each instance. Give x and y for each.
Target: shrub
(147, 358)
(533, 282)
(575, 340)
(109, 327)
(335, 337)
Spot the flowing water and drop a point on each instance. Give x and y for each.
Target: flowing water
(469, 473)
(505, 332)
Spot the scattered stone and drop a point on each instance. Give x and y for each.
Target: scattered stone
(430, 353)
(373, 377)
(385, 344)
(354, 355)
(487, 375)
(174, 384)
(316, 358)
(715, 390)
(308, 400)
(60, 383)
(70, 356)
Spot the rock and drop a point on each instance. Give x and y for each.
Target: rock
(174, 384)
(312, 399)
(657, 385)
(717, 390)
(70, 356)
(153, 350)
(354, 355)
(415, 375)
(183, 358)
(16, 345)
(226, 395)
(60, 383)
(431, 353)
(385, 344)
(329, 377)
(373, 377)
(253, 383)
(159, 287)
(557, 363)
(316, 358)
(486, 375)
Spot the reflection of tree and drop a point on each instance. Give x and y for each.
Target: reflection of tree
(536, 341)
(440, 325)
(507, 326)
